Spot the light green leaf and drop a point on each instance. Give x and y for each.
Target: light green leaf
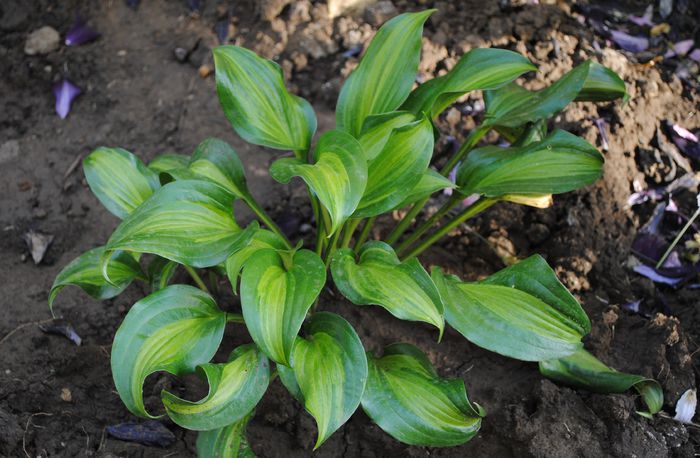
(378, 277)
(85, 271)
(338, 177)
(534, 277)
(261, 239)
(189, 221)
(378, 128)
(431, 182)
(506, 320)
(235, 388)
(277, 289)
(159, 272)
(164, 163)
(478, 69)
(602, 84)
(398, 168)
(407, 399)
(583, 370)
(252, 93)
(119, 179)
(172, 330)
(385, 75)
(560, 163)
(217, 161)
(227, 442)
(513, 106)
(330, 371)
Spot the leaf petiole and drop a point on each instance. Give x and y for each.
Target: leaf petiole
(197, 279)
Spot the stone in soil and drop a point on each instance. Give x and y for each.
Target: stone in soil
(42, 41)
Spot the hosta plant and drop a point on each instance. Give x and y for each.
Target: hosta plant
(177, 213)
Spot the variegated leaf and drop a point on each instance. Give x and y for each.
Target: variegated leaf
(164, 163)
(119, 179)
(227, 442)
(260, 240)
(430, 183)
(252, 93)
(277, 289)
(378, 128)
(172, 330)
(407, 399)
(217, 161)
(378, 277)
(338, 177)
(385, 75)
(235, 388)
(159, 272)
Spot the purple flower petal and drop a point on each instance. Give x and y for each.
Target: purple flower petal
(649, 247)
(195, 6)
(684, 133)
(656, 277)
(221, 28)
(353, 52)
(148, 433)
(682, 47)
(695, 55)
(686, 141)
(632, 306)
(80, 33)
(65, 92)
(645, 19)
(63, 328)
(600, 124)
(629, 42)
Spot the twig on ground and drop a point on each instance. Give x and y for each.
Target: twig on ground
(22, 326)
(26, 428)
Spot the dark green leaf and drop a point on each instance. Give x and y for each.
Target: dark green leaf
(119, 179)
(478, 69)
(172, 330)
(226, 442)
(252, 93)
(277, 289)
(385, 75)
(560, 163)
(235, 388)
(378, 277)
(85, 271)
(159, 272)
(190, 222)
(338, 177)
(431, 182)
(217, 161)
(584, 370)
(602, 84)
(407, 399)
(169, 161)
(506, 320)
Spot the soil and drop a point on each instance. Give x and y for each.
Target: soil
(137, 95)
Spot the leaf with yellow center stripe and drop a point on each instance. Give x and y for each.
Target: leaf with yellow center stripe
(378, 277)
(252, 93)
(261, 239)
(189, 221)
(329, 372)
(398, 168)
(217, 161)
(338, 177)
(227, 442)
(430, 182)
(235, 388)
(172, 330)
(385, 75)
(520, 315)
(277, 289)
(119, 179)
(407, 399)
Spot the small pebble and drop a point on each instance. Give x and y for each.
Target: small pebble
(205, 71)
(66, 395)
(42, 41)
(121, 53)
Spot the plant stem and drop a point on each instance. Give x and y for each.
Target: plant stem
(678, 238)
(475, 208)
(273, 375)
(265, 218)
(332, 247)
(469, 143)
(423, 228)
(350, 228)
(197, 279)
(406, 221)
(234, 318)
(365, 232)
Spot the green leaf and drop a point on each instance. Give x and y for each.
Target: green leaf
(398, 168)
(235, 388)
(534, 276)
(338, 177)
(478, 69)
(189, 221)
(252, 93)
(159, 272)
(261, 239)
(560, 163)
(85, 271)
(330, 370)
(172, 330)
(164, 163)
(226, 442)
(601, 85)
(119, 179)
(217, 161)
(385, 75)
(431, 182)
(277, 289)
(378, 128)
(378, 277)
(407, 399)
(583, 370)
(513, 106)
(506, 320)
